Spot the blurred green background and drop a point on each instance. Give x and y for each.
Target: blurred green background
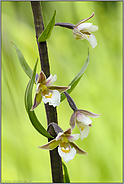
(99, 91)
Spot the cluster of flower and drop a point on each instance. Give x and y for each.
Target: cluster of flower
(45, 91)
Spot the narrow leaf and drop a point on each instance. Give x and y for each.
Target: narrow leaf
(28, 104)
(66, 175)
(75, 81)
(23, 62)
(47, 31)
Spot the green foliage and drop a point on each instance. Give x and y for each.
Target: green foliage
(28, 104)
(23, 62)
(76, 79)
(65, 174)
(28, 93)
(47, 31)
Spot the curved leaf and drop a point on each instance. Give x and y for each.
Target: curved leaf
(47, 31)
(66, 175)
(28, 104)
(23, 62)
(75, 81)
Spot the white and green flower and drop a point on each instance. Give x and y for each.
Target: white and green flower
(80, 117)
(83, 31)
(66, 148)
(46, 91)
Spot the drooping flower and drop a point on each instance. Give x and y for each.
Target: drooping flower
(83, 31)
(80, 117)
(46, 92)
(66, 148)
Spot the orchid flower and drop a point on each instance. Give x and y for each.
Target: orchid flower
(46, 92)
(82, 31)
(66, 148)
(80, 117)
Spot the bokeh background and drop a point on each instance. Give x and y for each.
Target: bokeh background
(99, 91)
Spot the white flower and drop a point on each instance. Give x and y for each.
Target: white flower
(80, 117)
(46, 92)
(53, 98)
(67, 153)
(66, 148)
(83, 31)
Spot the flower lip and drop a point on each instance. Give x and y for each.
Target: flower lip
(53, 98)
(67, 154)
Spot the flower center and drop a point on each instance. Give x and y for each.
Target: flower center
(65, 150)
(82, 128)
(64, 140)
(44, 88)
(49, 96)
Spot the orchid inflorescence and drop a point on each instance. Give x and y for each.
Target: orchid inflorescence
(46, 92)
(53, 95)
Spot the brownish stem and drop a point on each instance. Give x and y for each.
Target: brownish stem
(51, 113)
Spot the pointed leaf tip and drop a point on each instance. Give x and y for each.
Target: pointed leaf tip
(47, 31)
(77, 78)
(22, 61)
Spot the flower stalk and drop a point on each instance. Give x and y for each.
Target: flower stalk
(66, 25)
(51, 113)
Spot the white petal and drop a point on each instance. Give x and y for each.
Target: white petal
(92, 39)
(50, 80)
(83, 119)
(84, 130)
(67, 154)
(53, 98)
(59, 136)
(73, 137)
(93, 28)
(84, 26)
(38, 88)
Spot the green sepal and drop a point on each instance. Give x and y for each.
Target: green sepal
(75, 81)
(47, 31)
(65, 174)
(23, 62)
(28, 104)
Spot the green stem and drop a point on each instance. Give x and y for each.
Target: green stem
(51, 113)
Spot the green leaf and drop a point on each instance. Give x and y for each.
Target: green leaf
(65, 174)
(23, 62)
(75, 81)
(47, 31)
(28, 104)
